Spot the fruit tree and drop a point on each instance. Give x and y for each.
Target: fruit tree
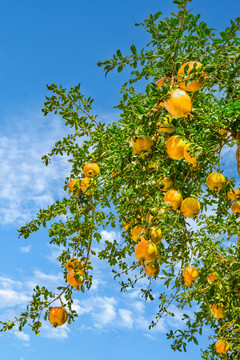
(158, 174)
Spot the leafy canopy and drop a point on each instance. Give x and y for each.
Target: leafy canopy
(127, 190)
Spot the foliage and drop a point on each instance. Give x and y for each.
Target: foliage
(127, 189)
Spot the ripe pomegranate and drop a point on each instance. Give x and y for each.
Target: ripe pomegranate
(174, 198)
(188, 157)
(165, 125)
(236, 208)
(155, 234)
(75, 281)
(141, 143)
(85, 183)
(190, 274)
(222, 346)
(215, 181)
(233, 194)
(160, 81)
(165, 183)
(146, 251)
(175, 147)
(211, 277)
(74, 264)
(195, 84)
(72, 187)
(57, 316)
(151, 269)
(218, 311)
(179, 103)
(136, 232)
(190, 207)
(90, 169)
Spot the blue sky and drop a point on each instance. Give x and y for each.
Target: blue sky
(61, 42)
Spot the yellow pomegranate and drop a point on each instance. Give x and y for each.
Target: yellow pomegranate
(190, 207)
(215, 181)
(222, 132)
(146, 251)
(85, 183)
(141, 144)
(218, 311)
(73, 187)
(222, 346)
(190, 274)
(165, 183)
(74, 264)
(233, 194)
(236, 208)
(90, 169)
(174, 198)
(57, 316)
(75, 278)
(188, 283)
(179, 103)
(175, 147)
(136, 232)
(160, 81)
(211, 277)
(165, 125)
(155, 234)
(188, 157)
(151, 269)
(195, 84)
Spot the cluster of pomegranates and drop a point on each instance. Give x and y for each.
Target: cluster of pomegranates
(178, 104)
(90, 169)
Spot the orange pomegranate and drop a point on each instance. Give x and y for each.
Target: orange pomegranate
(188, 157)
(90, 169)
(218, 311)
(215, 181)
(179, 103)
(155, 234)
(174, 198)
(136, 232)
(222, 132)
(73, 187)
(211, 277)
(222, 346)
(85, 183)
(141, 143)
(190, 274)
(236, 208)
(165, 125)
(233, 194)
(175, 147)
(190, 207)
(160, 81)
(195, 84)
(74, 264)
(75, 277)
(146, 251)
(151, 269)
(57, 316)
(165, 183)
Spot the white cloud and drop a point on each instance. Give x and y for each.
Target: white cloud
(45, 279)
(22, 335)
(10, 298)
(26, 184)
(26, 249)
(126, 318)
(109, 235)
(60, 332)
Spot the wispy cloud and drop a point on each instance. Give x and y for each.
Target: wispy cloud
(26, 184)
(26, 249)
